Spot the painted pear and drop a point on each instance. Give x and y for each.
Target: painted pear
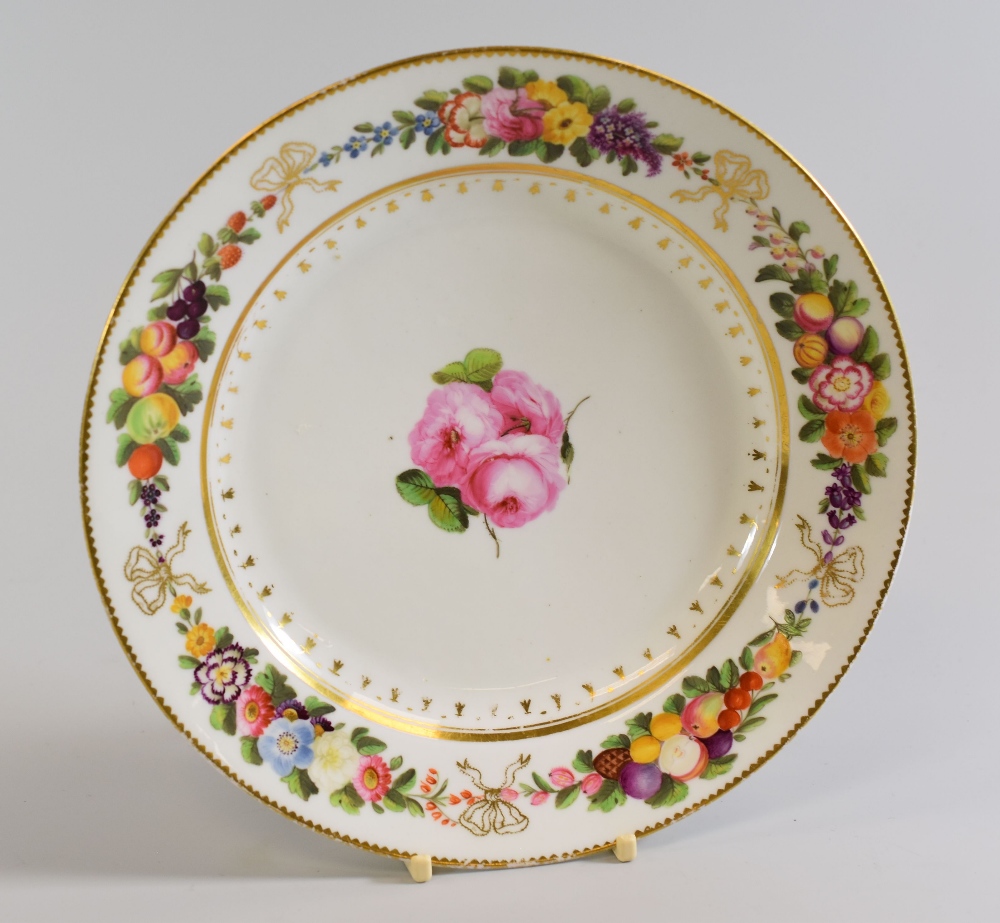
(773, 658)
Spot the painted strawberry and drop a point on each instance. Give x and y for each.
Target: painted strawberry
(268, 202)
(229, 255)
(237, 222)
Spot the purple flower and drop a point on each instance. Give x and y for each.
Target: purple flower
(625, 134)
(318, 721)
(292, 709)
(843, 474)
(222, 675)
(830, 540)
(843, 497)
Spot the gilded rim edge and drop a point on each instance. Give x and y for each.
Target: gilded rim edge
(431, 58)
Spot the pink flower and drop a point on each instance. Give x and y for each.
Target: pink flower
(526, 406)
(511, 115)
(508, 794)
(459, 418)
(515, 480)
(561, 777)
(591, 783)
(539, 798)
(842, 385)
(254, 711)
(373, 778)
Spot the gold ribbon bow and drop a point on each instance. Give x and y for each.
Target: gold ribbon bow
(152, 575)
(284, 173)
(734, 179)
(836, 577)
(492, 814)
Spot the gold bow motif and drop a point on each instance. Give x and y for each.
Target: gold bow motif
(734, 179)
(284, 173)
(836, 577)
(492, 814)
(152, 575)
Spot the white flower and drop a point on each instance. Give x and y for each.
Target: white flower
(335, 760)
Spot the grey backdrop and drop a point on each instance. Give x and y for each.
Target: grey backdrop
(883, 808)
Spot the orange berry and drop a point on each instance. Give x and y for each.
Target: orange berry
(751, 681)
(145, 461)
(810, 350)
(229, 255)
(737, 698)
(268, 202)
(728, 719)
(237, 221)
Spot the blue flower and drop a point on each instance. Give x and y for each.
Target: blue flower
(356, 144)
(287, 745)
(325, 159)
(426, 122)
(385, 133)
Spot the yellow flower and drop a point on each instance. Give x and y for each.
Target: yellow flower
(200, 640)
(545, 91)
(565, 123)
(181, 602)
(877, 402)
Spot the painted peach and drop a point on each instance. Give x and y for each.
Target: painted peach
(179, 362)
(810, 350)
(142, 375)
(813, 312)
(158, 339)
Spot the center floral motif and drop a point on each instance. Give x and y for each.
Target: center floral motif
(491, 442)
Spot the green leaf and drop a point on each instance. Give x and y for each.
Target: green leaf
(608, 797)
(830, 266)
(694, 686)
(395, 763)
(492, 147)
(414, 807)
(299, 783)
(782, 303)
(522, 148)
(217, 296)
(394, 801)
(180, 433)
(406, 137)
(576, 88)
(884, 429)
(746, 659)
(404, 117)
(128, 349)
(213, 268)
(275, 685)
(629, 165)
(249, 236)
(364, 127)
(369, 746)
(126, 446)
(667, 144)
(223, 638)
(670, 793)
(700, 158)
(580, 150)
(762, 638)
(675, 704)
(157, 313)
(788, 329)
(377, 808)
(714, 679)
(750, 723)
(802, 375)
(626, 105)
(797, 229)
(447, 511)
(583, 761)
(567, 796)
(867, 347)
(431, 101)
(616, 740)
(248, 747)
(121, 403)
(357, 734)
(134, 491)
(478, 84)
(541, 784)
(857, 308)
(405, 781)
(223, 718)
(436, 141)
(859, 477)
(453, 371)
(416, 487)
(508, 78)
(165, 283)
(204, 342)
(760, 702)
(809, 410)
(482, 365)
(824, 462)
(600, 97)
(206, 245)
(812, 431)
(876, 465)
(548, 152)
(810, 282)
(773, 271)
(796, 657)
(881, 367)
(168, 446)
(639, 725)
(729, 675)
(718, 767)
(317, 707)
(186, 395)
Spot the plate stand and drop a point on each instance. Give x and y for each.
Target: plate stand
(625, 847)
(419, 867)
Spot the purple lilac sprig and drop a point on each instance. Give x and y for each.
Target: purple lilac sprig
(625, 135)
(842, 505)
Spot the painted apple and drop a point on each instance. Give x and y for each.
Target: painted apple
(683, 757)
(142, 376)
(152, 418)
(701, 717)
(719, 744)
(641, 780)
(773, 658)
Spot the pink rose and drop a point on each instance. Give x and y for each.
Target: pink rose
(459, 418)
(842, 385)
(561, 777)
(591, 783)
(515, 480)
(527, 408)
(510, 115)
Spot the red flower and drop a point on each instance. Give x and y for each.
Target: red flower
(850, 436)
(254, 711)
(373, 778)
(683, 160)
